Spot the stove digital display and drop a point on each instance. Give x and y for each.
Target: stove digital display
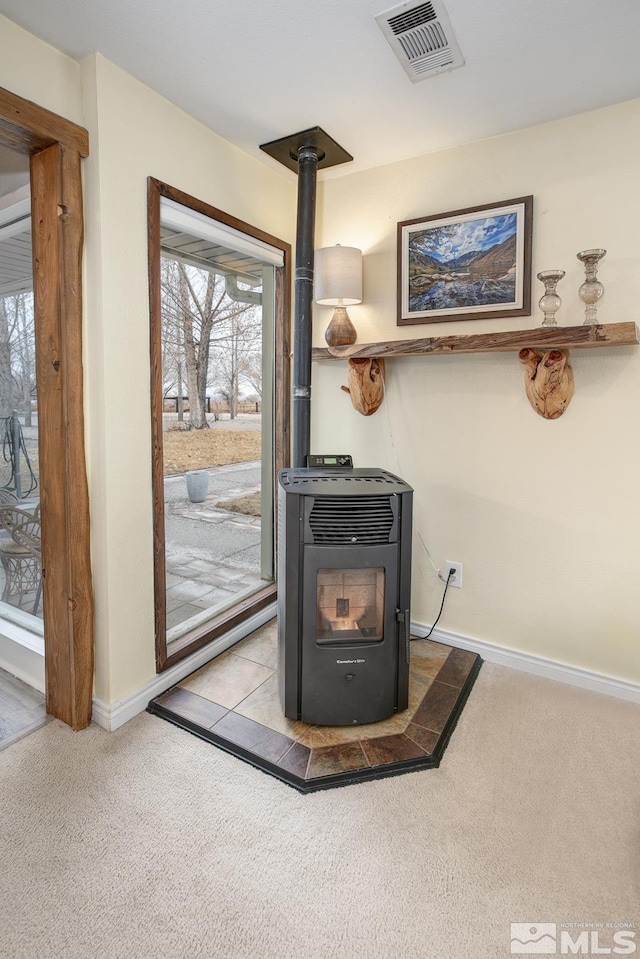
(315, 460)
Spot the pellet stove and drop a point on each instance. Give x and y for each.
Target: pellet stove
(344, 583)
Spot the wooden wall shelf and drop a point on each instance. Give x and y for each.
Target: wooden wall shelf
(539, 338)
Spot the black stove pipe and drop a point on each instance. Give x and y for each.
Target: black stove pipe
(303, 300)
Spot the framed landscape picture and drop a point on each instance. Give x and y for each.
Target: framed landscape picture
(469, 264)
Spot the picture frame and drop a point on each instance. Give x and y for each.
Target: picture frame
(470, 264)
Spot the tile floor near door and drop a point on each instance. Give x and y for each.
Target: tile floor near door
(233, 702)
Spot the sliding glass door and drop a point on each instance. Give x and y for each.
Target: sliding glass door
(219, 423)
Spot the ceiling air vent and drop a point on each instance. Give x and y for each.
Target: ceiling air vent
(421, 37)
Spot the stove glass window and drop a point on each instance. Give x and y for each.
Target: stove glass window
(350, 605)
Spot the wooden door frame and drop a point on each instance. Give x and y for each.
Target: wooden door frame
(55, 147)
(223, 622)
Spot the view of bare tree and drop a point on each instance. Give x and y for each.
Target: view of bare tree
(17, 355)
(253, 373)
(237, 352)
(211, 344)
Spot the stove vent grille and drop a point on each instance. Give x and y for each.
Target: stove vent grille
(421, 36)
(338, 521)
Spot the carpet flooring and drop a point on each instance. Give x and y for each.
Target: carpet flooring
(148, 843)
(233, 703)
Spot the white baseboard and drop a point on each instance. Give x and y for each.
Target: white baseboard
(111, 716)
(528, 663)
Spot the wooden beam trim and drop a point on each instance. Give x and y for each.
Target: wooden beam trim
(77, 513)
(29, 128)
(46, 283)
(57, 225)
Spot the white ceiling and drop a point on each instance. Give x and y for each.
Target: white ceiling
(255, 70)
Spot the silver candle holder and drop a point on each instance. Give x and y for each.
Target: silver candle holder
(592, 289)
(550, 302)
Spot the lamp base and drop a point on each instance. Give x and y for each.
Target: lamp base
(341, 331)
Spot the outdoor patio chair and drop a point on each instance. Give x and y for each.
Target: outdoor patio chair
(20, 556)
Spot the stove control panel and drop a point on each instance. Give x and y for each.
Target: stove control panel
(317, 460)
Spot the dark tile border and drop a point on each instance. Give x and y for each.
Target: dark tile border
(197, 709)
(290, 762)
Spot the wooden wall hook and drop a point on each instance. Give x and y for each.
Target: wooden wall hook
(548, 380)
(366, 384)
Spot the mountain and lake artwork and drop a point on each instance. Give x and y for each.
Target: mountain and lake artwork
(464, 267)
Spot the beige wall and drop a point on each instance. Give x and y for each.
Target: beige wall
(543, 515)
(36, 71)
(135, 134)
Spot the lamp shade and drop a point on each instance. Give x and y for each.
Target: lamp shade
(338, 275)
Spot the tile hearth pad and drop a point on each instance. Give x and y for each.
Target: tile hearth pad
(233, 703)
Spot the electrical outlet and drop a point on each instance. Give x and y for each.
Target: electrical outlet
(456, 577)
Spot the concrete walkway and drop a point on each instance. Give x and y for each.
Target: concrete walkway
(213, 555)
